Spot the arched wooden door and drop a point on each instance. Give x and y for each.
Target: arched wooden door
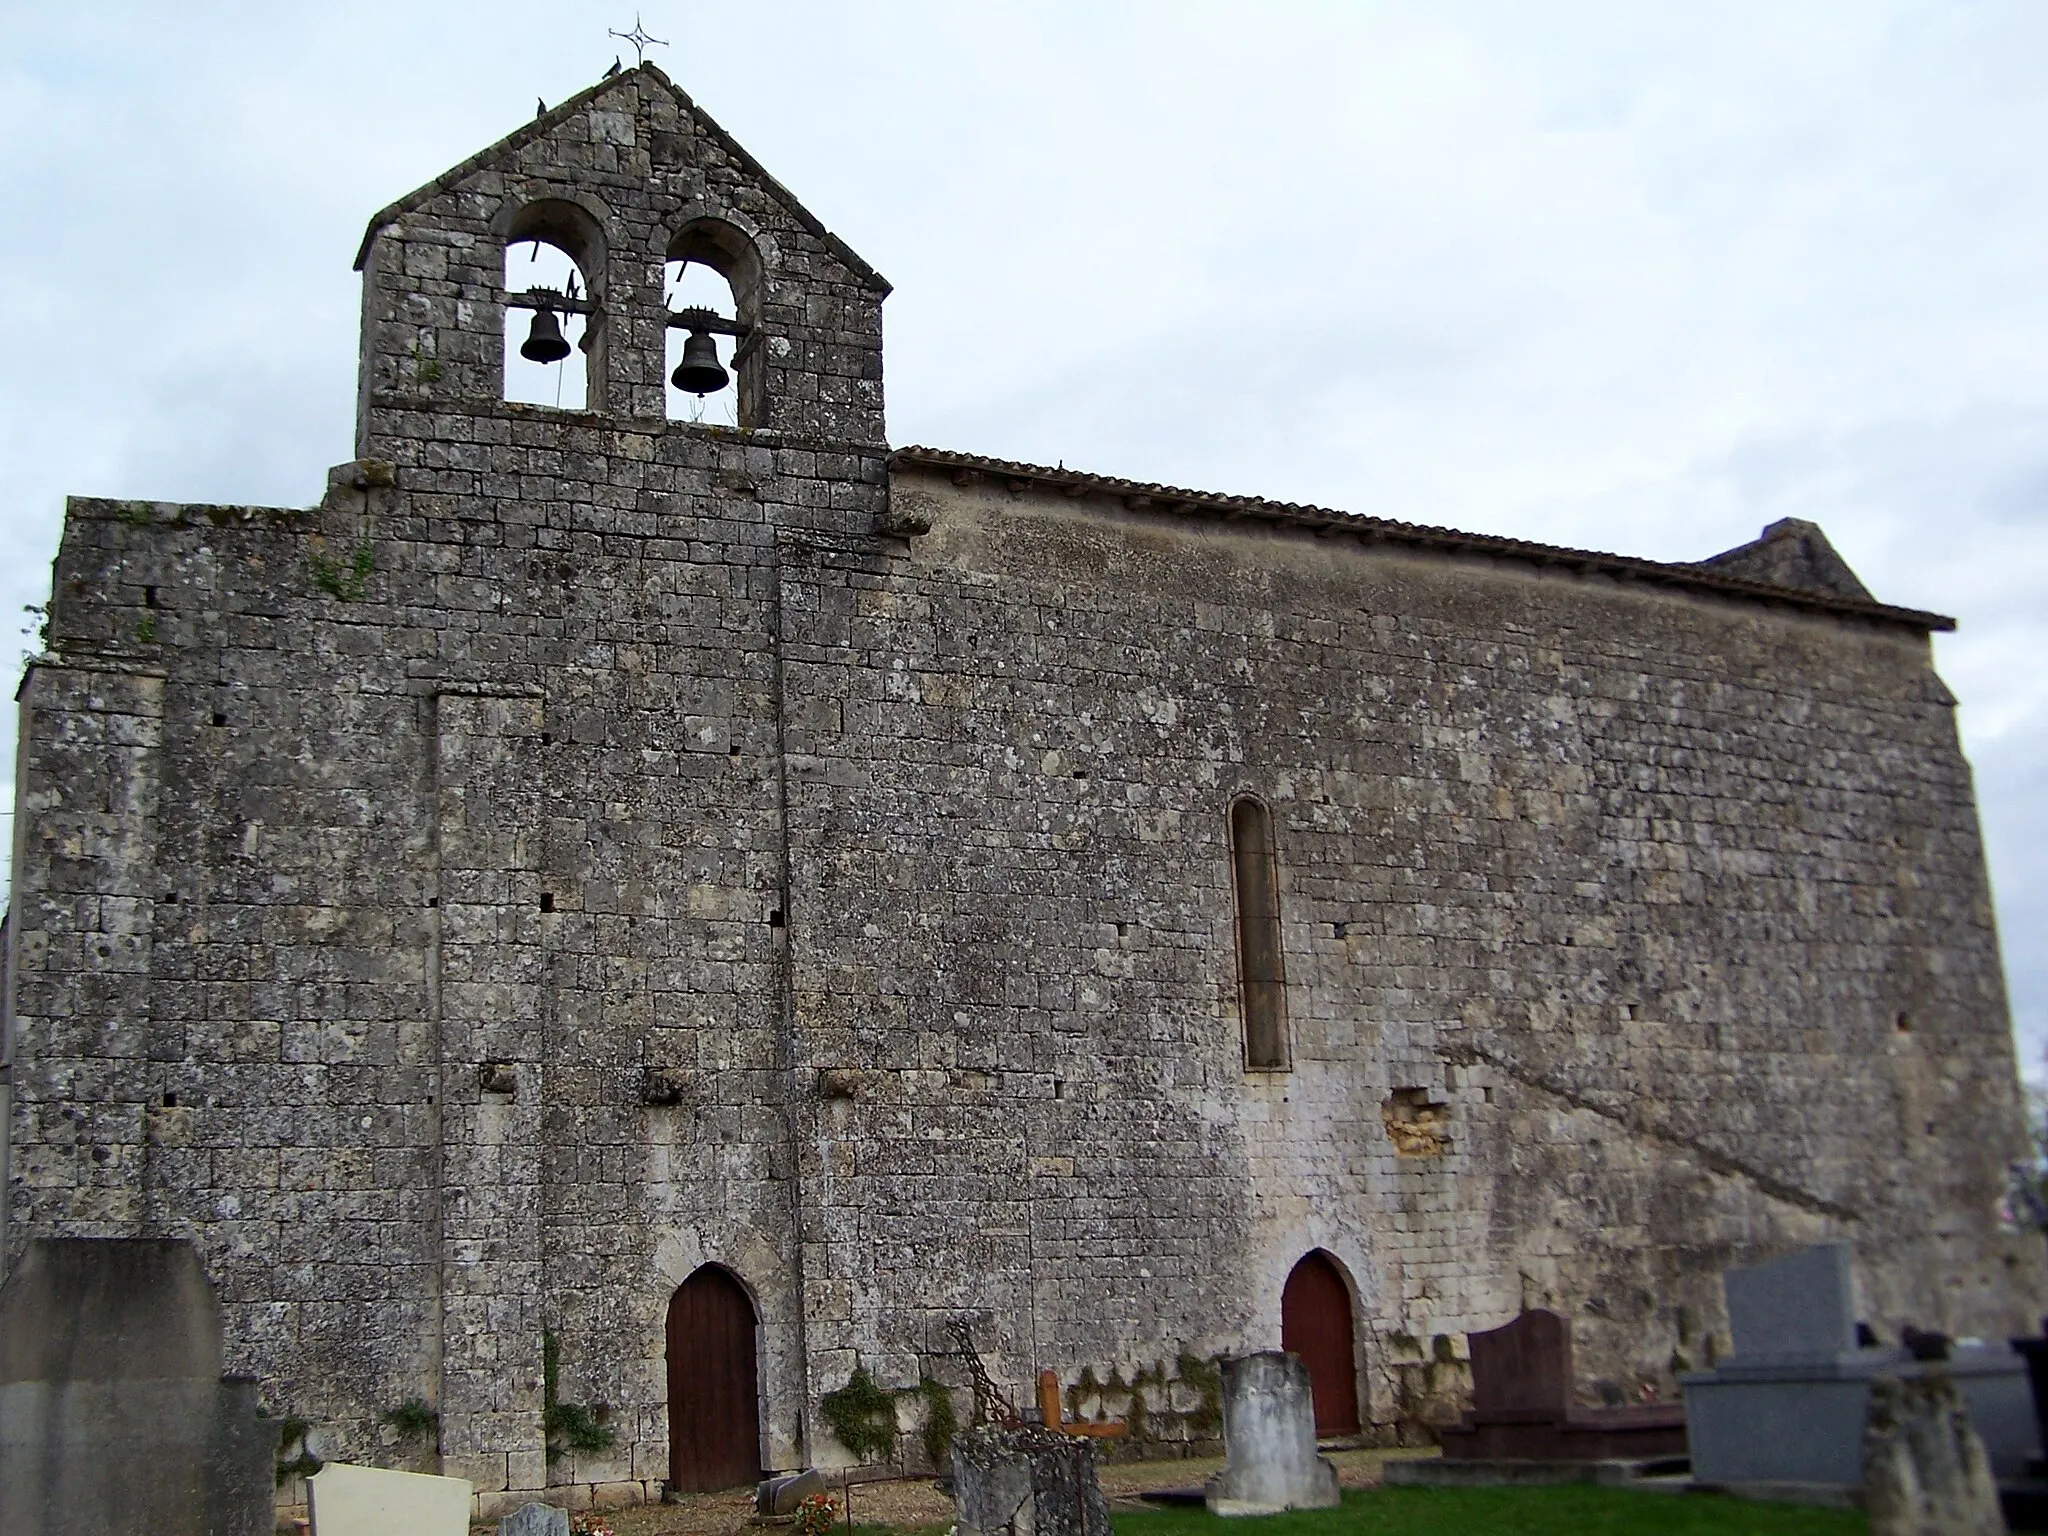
(714, 1415)
(1315, 1323)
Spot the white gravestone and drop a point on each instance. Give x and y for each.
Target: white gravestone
(367, 1501)
(1269, 1441)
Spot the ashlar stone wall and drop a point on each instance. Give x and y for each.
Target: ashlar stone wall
(1627, 932)
(586, 847)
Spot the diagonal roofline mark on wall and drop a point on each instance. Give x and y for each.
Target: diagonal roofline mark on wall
(1715, 1160)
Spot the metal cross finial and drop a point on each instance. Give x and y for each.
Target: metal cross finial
(639, 39)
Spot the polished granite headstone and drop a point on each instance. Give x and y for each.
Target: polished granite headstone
(535, 1520)
(1790, 1404)
(1523, 1407)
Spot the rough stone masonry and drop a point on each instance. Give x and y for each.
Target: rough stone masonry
(589, 847)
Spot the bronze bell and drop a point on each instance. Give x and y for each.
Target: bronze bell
(699, 373)
(544, 342)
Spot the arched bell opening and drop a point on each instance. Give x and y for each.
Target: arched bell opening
(702, 381)
(714, 1393)
(1316, 1324)
(712, 284)
(554, 317)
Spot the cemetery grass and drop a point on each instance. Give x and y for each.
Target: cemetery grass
(1581, 1510)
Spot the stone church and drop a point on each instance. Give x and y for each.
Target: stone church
(615, 921)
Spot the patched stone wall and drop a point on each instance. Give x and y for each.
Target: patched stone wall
(587, 847)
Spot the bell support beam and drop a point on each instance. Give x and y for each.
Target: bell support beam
(548, 298)
(706, 320)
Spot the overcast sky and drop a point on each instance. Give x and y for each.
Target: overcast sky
(1638, 277)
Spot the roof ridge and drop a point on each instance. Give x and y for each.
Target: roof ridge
(845, 253)
(544, 122)
(516, 139)
(1326, 519)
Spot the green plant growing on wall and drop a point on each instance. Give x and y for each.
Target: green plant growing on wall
(345, 583)
(145, 629)
(862, 1416)
(412, 1420)
(941, 1423)
(424, 368)
(1137, 1416)
(567, 1426)
(292, 1431)
(1206, 1378)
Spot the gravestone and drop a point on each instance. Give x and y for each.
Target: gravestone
(1925, 1472)
(114, 1417)
(1788, 1405)
(778, 1496)
(1992, 1377)
(535, 1520)
(1524, 1366)
(368, 1501)
(1802, 1306)
(1523, 1407)
(1791, 1403)
(1269, 1440)
(1026, 1481)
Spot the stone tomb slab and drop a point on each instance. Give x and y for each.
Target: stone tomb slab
(368, 1501)
(1788, 1407)
(779, 1496)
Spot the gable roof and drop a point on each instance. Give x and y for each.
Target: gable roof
(1791, 553)
(1701, 576)
(548, 121)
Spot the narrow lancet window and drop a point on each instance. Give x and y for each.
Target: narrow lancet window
(1262, 985)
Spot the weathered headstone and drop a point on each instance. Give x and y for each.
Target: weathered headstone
(1925, 1472)
(114, 1417)
(368, 1501)
(1269, 1440)
(779, 1496)
(1026, 1481)
(535, 1520)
